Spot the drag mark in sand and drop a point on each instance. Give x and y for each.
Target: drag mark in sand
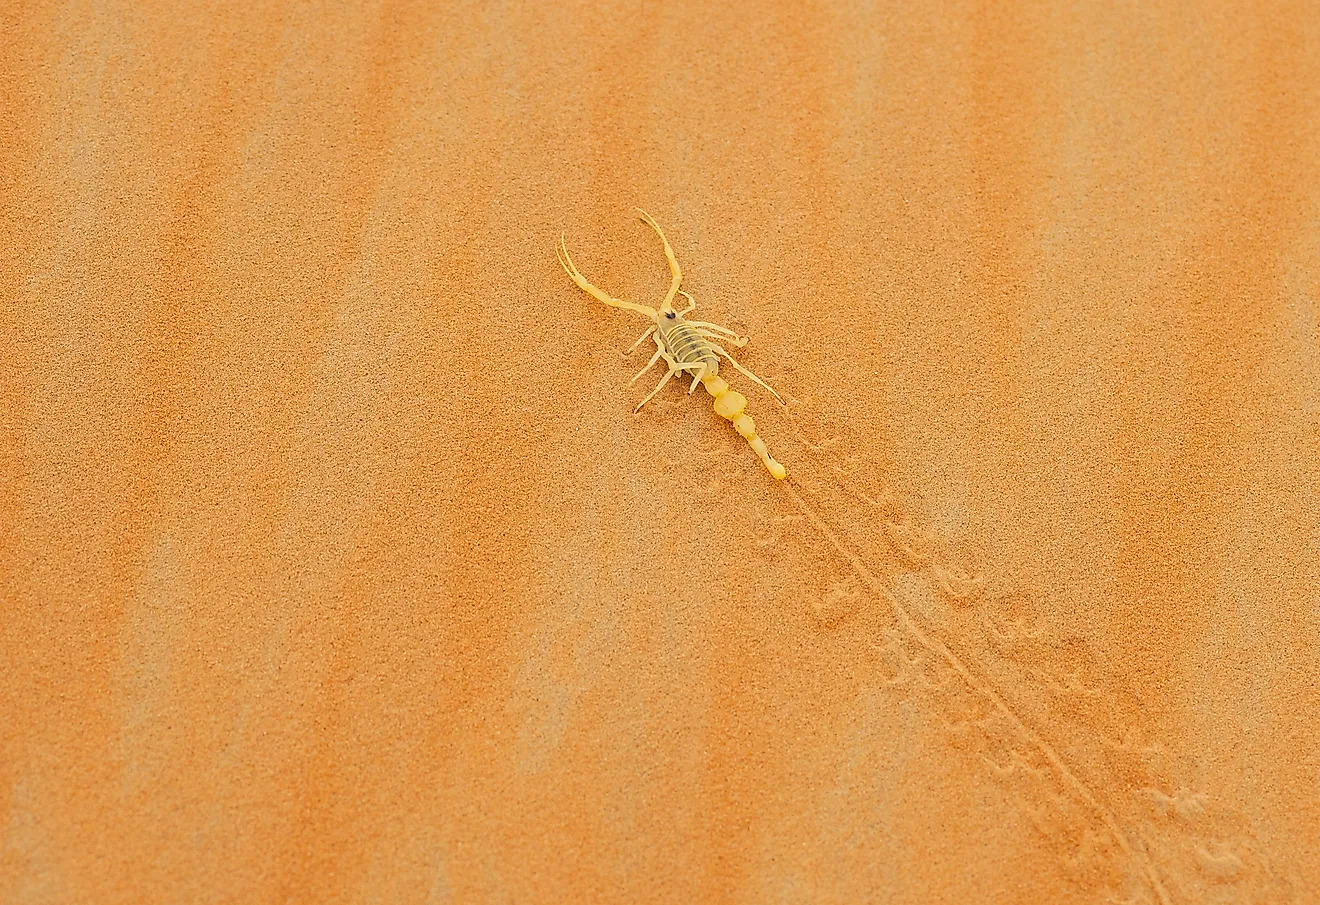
(1121, 809)
(982, 689)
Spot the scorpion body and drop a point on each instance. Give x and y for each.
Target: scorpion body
(684, 342)
(687, 346)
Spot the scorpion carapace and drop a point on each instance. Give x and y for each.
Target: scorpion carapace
(687, 346)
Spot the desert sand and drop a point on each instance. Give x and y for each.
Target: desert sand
(335, 567)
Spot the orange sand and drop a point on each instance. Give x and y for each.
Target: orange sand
(334, 567)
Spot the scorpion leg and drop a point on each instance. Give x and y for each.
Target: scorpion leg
(561, 252)
(674, 269)
(696, 381)
(715, 331)
(663, 380)
(650, 364)
(641, 339)
(746, 373)
(692, 303)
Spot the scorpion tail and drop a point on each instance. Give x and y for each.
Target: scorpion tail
(729, 404)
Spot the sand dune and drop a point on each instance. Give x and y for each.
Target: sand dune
(335, 566)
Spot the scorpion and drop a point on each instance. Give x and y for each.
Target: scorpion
(686, 346)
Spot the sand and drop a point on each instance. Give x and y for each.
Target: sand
(334, 566)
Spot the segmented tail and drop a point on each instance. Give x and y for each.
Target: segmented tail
(729, 404)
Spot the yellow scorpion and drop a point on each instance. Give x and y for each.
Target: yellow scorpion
(687, 346)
